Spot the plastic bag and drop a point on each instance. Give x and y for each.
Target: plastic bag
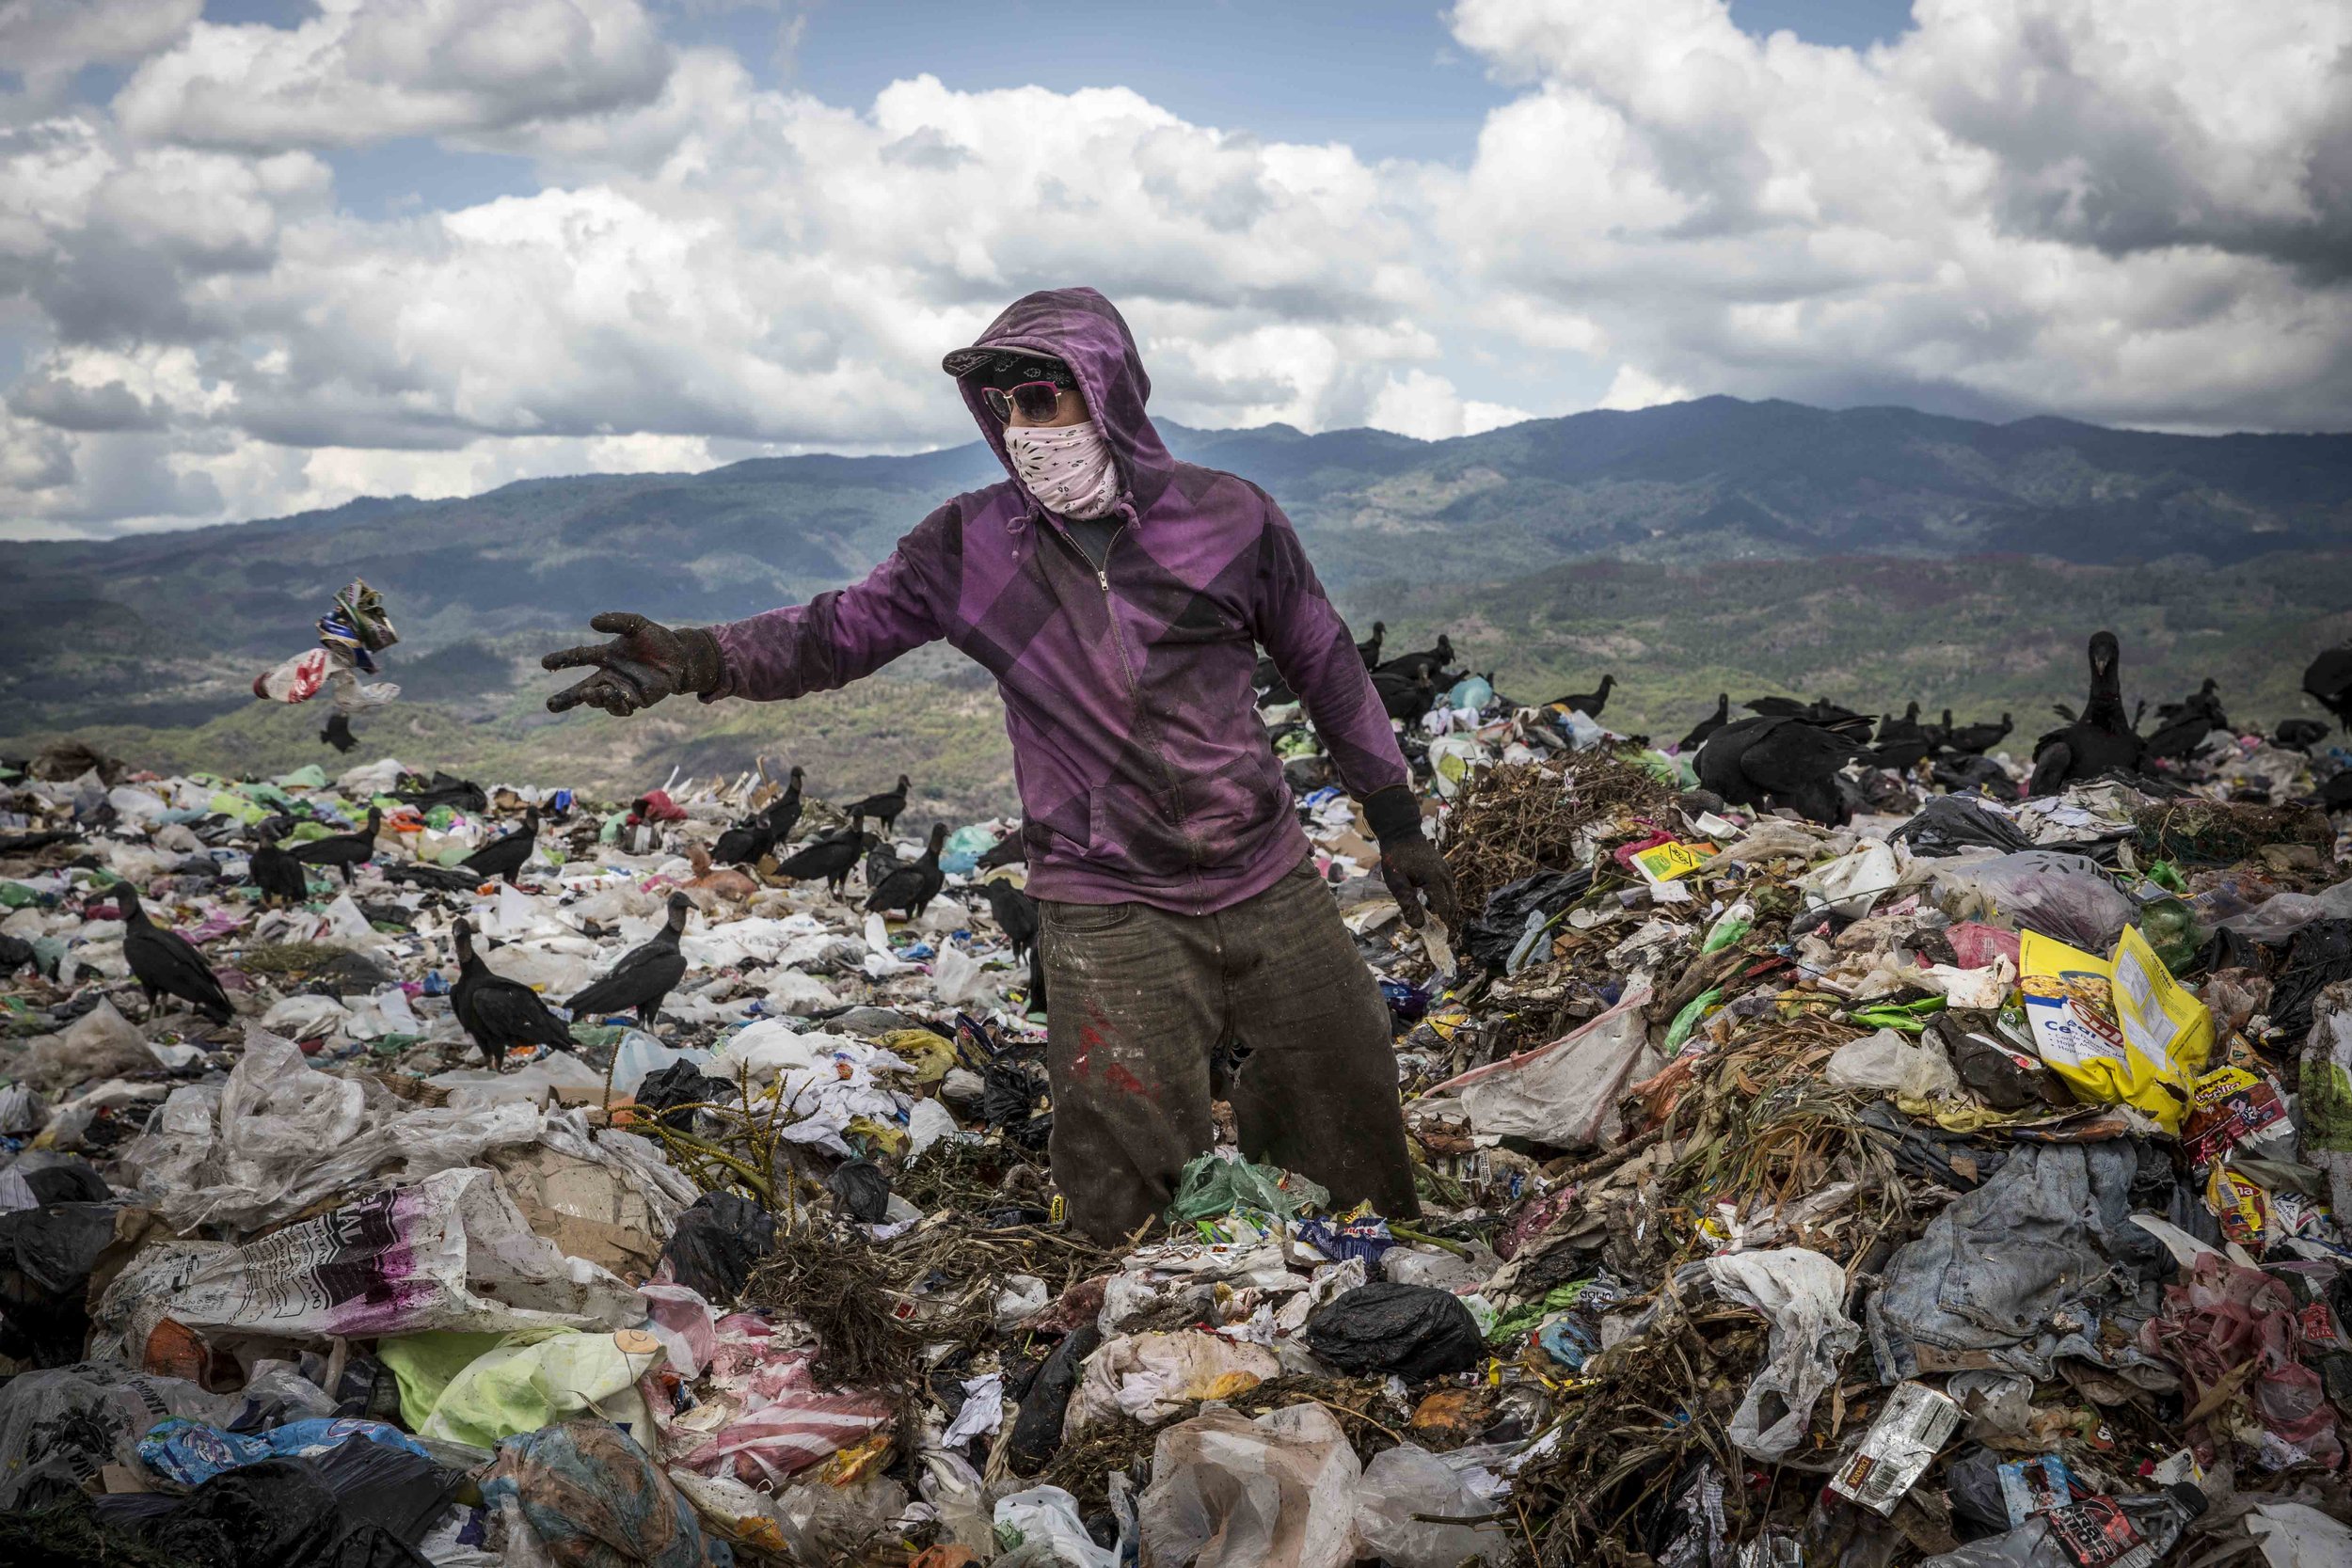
(2327, 1104)
(1565, 1093)
(1228, 1492)
(2119, 1031)
(716, 1242)
(1851, 884)
(593, 1500)
(1214, 1185)
(1405, 1480)
(529, 1381)
(73, 1420)
(1149, 1377)
(2066, 897)
(1049, 1515)
(451, 1252)
(1414, 1331)
(1495, 934)
(1802, 1293)
(190, 1452)
(1889, 1063)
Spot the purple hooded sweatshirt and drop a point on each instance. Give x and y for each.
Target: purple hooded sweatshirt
(1144, 770)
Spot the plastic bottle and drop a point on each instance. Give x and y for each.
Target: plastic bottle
(2096, 1533)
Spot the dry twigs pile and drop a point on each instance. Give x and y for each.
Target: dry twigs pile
(1516, 819)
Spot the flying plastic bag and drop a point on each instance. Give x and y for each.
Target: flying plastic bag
(2118, 1030)
(295, 680)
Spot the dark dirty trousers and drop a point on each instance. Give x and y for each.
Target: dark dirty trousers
(1140, 1000)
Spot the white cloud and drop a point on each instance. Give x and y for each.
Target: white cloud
(363, 70)
(2129, 209)
(50, 38)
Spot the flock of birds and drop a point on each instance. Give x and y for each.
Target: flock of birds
(499, 1014)
(1793, 754)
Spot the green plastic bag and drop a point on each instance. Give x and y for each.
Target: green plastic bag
(308, 776)
(2171, 927)
(1688, 1019)
(1213, 1186)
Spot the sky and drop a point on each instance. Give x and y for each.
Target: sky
(263, 256)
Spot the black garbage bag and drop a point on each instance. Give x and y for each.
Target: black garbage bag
(1973, 1476)
(46, 1256)
(1949, 824)
(1997, 1073)
(2320, 954)
(861, 1191)
(1037, 1430)
(683, 1083)
(1415, 1331)
(322, 1513)
(1495, 930)
(55, 1177)
(1008, 1093)
(716, 1242)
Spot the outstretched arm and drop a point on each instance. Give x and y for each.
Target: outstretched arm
(829, 642)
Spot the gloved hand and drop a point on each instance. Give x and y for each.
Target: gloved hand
(1409, 864)
(644, 663)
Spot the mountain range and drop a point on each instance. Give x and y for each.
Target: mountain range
(161, 632)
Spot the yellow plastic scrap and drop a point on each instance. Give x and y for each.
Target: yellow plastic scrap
(2118, 1030)
(881, 1137)
(931, 1054)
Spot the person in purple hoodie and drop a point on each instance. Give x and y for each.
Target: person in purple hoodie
(1118, 598)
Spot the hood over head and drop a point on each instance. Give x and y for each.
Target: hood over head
(1085, 332)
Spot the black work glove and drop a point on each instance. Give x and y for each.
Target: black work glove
(1409, 864)
(644, 663)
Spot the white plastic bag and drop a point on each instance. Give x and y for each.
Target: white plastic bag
(1849, 885)
(1566, 1092)
(1803, 1292)
(1050, 1514)
(1409, 1479)
(1228, 1492)
(451, 1252)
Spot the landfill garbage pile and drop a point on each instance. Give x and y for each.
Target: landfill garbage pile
(404, 1171)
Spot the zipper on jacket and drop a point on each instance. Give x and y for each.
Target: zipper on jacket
(1134, 687)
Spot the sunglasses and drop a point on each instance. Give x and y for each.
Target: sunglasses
(1037, 401)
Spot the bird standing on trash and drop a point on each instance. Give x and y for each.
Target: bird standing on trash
(344, 852)
(498, 1013)
(166, 963)
(884, 808)
(503, 857)
(831, 858)
(1709, 725)
(2103, 740)
(644, 977)
(910, 887)
(1779, 760)
(277, 874)
(1119, 598)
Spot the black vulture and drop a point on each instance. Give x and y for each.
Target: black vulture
(1402, 697)
(783, 813)
(910, 887)
(2299, 734)
(503, 857)
(2328, 681)
(1974, 740)
(745, 844)
(278, 874)
(1902, 744)
(425, 873)
(831, 857)
(338, 733)
(1015, 912)
(343, 852)
(1778, 761)
(442, 789)
(645, 976)
(1007, 851)
(1369, 646)
(1940, 734)
(166, 963)
(496, 1012)
(1429, 662)
(1709, 725)
(2101, 740)
(884, 809)
(1589, 704)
